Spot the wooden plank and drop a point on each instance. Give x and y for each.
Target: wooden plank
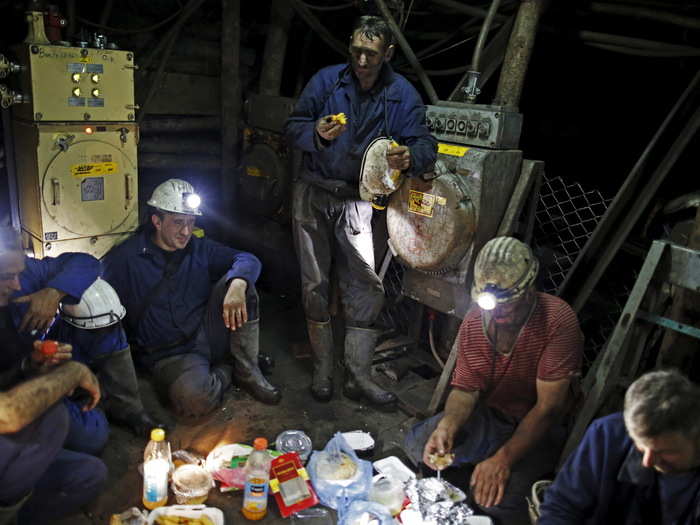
(182, 94)
(229, 102)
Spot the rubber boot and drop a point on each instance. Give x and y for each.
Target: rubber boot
(321, 339)
(245, 347)
(359, 352)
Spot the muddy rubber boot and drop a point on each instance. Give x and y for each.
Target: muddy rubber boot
(321, 339)
(245, 347)
(359, 351)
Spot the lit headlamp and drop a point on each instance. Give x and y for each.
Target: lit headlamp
(191, 200)
(491, 296)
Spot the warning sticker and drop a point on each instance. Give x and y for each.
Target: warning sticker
(421, 203)
(90, 169)
(452, 149)
(254, 171)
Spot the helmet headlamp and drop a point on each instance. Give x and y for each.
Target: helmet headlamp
(191, 200)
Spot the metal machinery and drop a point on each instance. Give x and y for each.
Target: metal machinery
(267, 171)
(437, 226)
(75, 137)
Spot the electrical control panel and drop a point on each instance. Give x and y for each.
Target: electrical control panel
(75, 84)
(78, 185)
(490, 127)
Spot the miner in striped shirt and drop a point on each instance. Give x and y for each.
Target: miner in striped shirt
(518, 361)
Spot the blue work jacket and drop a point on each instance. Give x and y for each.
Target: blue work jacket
(135, 267)
(603, 482)
(71, 273)
(90, 346)
(394, 110)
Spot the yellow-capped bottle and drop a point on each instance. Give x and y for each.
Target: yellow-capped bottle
(156, 469)
(257, 481)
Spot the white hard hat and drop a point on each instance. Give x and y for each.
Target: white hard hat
(98, 307)
(176, 196)
(504, 269)
(377, 179)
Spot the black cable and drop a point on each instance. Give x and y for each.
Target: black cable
(327, 8)
(118, 31)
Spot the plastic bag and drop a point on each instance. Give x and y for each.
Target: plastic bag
(366, 513)
(338, 475)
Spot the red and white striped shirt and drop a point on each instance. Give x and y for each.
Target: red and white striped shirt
(549, 348)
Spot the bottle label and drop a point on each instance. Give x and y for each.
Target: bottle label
(155, 480)
(255, 495)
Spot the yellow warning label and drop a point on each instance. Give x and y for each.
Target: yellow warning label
(421, 203)
(85, 60)
(91, 169)
(452, 149)
(441, 201)
(254, 171)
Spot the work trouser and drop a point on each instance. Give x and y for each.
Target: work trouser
(34, 461)
(331, 230)
(482, 435)
(88, 431)
(188, 378)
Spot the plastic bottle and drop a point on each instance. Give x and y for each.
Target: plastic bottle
(257, 479)
(156, 468)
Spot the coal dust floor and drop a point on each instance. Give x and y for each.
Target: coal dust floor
(241, 419)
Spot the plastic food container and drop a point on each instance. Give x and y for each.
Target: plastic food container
(294, 441)
(187, 511)
(191, 484)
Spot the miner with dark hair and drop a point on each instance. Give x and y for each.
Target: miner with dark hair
(342, 110)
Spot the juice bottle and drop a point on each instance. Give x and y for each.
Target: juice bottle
(257, 479)
(156, 467)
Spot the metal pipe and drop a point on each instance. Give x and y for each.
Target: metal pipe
(406, 48)
(510, 83)
(471, 88)
(485, 28)
(10, 168)
(643, 12)
(275, 47)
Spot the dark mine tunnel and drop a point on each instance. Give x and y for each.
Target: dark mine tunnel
(456, 240)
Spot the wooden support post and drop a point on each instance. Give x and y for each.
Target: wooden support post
(230, 103)
(275, 47)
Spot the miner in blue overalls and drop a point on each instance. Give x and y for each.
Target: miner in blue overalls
(190, 302)
(332, 224)
(42, 476)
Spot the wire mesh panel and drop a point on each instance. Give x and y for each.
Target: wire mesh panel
(567, 213)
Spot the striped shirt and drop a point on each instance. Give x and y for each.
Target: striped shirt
(549, 348)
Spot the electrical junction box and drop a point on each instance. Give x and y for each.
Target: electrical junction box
(436, 227)
(75, 84)
(77, 185)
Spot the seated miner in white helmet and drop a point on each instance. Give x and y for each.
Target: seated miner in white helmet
(93, 328)
(519, 351)
(190, 303)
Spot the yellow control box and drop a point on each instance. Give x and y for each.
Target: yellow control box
(77, 185)
(75, 84)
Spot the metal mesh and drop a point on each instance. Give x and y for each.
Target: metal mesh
(567, 213)
(566, 216)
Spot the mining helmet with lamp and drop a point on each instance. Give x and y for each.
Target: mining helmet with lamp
(504, 270)
(377, 179)
(98, 307)
(176, 196)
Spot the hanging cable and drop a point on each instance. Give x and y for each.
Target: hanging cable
(118, 31)
(327, 8)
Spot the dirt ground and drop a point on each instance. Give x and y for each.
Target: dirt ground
(241, 419)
